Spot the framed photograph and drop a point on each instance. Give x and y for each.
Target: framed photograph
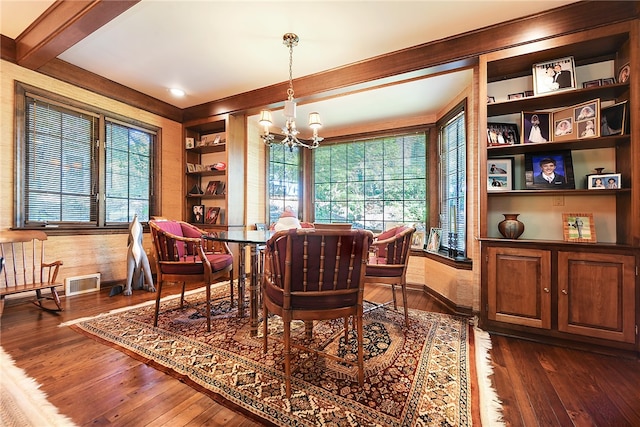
(491, 99)
(608, 81)
(604, 181)
(554, 76)
(548, 171)
(191, 167)
(624, 73)
(515, 95)
(212, 186)
(587, 117)
(189, 143)
(535, 127)
(435, 237)
(563, 125)
(212, 215)
(528, 93)
(592, 83)
(579, 227)
(417, 241)
(614, 120)
(500, 174)
(502, 134)
(197, 214)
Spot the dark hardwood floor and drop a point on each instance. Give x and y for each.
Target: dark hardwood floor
(93, 384)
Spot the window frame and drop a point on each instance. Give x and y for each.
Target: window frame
(22, 91)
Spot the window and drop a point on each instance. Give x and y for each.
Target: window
(284, 180)
(452, 149)
(373, 184)
(79, 167)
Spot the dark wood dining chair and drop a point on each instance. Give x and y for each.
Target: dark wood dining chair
(389, 260)
(315, 275)
(182, 255)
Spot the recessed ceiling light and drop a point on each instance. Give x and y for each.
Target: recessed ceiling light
(176, 92)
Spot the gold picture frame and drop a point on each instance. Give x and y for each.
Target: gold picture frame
(579, 227)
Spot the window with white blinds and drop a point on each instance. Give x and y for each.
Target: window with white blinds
(284, 180)
(453, 175)
(77, 167)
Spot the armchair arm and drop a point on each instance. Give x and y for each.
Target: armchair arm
(52, 270)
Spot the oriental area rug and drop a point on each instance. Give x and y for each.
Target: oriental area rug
(415, 376)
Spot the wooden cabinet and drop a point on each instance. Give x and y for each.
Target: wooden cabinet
(582, 293)
(214, 171)
(519, 286)
(541, 285)
(596, 295)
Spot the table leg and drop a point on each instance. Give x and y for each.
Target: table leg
(254, 288)
(242, 276)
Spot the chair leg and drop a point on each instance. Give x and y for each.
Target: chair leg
(231, 287)
(265, 327)
(208, 307)
(287, 353)
(56, 298)
(346, 330)
(359, 339)
(404, 301)
(184, 285)
(155, 318)
(393, 293)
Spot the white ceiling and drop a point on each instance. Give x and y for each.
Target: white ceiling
(214, 49)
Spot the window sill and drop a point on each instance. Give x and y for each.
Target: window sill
(79, 230)
(443, 258)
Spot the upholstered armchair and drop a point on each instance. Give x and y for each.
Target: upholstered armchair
(315, 275)
(388, 261)
(182, 255)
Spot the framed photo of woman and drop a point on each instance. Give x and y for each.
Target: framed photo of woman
(435, 237)
(535, 127)
(554, 76)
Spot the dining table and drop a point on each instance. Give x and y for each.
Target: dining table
(255, 240)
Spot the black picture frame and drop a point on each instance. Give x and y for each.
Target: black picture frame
(614, 119)
(197, 214)
(502, 134)
(554, 76)
(529, 119)
(563, 167)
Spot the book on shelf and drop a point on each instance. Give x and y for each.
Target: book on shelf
(212, 215)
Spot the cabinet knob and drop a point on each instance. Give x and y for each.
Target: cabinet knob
(546, 290)
(564, 291)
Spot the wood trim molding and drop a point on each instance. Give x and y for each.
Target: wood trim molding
(61, 26)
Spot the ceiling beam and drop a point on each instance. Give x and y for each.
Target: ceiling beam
(61, 26)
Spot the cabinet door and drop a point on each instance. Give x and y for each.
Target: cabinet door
(596, 294)
(518, 284)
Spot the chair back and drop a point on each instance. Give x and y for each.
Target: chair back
(311, 269)
(167, 240)
(392, 246)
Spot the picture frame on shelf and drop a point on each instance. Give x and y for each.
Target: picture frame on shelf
(563, 125)
(211, 188)
(614, 119)
(491, 99)
(515, 95)
(587, 119)
(212, 215)
(578, 227)
(417, 240)
(191, 168)
(500, 174)
(500, 134)
(435, 239)
(557, 164)
(608, 81)
(592, 83)
(535, 127)
(624, 73)
(189, 143)
(611, 181)
(528, 93)
(197, 214)
(554, 76)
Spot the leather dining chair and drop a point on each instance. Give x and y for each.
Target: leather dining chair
(181, 255)
(315, 275)
(389, 260)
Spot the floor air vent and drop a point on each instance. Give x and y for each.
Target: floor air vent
(82, 284)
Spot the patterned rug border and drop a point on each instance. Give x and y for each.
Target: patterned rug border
(468, 343)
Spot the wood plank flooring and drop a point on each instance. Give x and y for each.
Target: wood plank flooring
(93, 384)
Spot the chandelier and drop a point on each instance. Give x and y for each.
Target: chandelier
(289, 130)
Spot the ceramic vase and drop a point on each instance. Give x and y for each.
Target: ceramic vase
(510, 227)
